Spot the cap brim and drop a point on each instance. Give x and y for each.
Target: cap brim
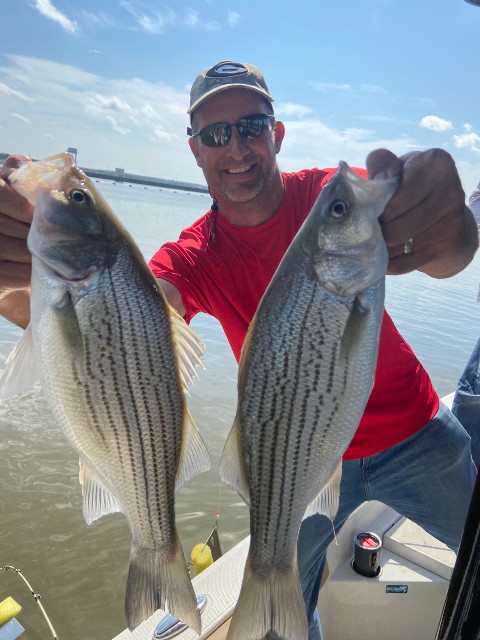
(224, 87)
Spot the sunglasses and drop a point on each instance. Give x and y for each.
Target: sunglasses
(220, 133)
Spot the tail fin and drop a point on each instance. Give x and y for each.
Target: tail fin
(271, 603)
(153, 580)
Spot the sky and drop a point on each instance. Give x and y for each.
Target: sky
(112, 78)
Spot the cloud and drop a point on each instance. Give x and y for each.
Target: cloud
(113, 103)
(315, 144)
(27, 71)
(388, 119)
(290, 109)
(5, 90)
(233, 19)
(159, 133)
(154, 23)
(19, 116)
(99, 19)
(434, 123)
(116, 126)
(46, 8)
(467, 127)
(366, 91)
(157, 22)
(192, 18)
(467, 141)
(325, 87)
(122, 122)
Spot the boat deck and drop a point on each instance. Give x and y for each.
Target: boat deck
(221, 583)
(411, 559)
(410, 556)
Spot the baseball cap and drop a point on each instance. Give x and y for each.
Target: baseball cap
(227, 75)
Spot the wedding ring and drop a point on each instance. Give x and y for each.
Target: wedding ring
(408, 247)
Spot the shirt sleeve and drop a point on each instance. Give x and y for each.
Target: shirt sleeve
(177, 262)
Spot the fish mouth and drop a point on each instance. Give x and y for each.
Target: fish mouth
(351, 254)
(71, 278)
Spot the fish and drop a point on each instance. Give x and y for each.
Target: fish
(114, 360)
(306, 371)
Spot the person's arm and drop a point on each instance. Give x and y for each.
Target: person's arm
(474, 204)
(172, 295)
(15, 259)
(428, 208)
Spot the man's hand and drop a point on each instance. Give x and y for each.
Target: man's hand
(15, 259)
(426, 224)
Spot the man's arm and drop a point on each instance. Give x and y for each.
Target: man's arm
(474, 204)
(172, 295)
(15, 259)
(428, 208)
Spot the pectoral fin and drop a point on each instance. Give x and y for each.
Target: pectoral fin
(232, 469)
(189, 348)
(194, 458)
(358, 324)
(21, 369)
(326, 502)
(97, 500)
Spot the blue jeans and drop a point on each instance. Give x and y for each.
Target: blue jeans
(466, 403)
(428, 478)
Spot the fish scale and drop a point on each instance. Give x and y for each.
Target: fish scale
(120, 400)
(114, 361)
(296, 438)
(306, 370)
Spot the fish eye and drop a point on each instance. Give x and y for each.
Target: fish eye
(338, 209)
(79, 197)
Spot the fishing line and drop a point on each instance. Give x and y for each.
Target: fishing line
(36, 597)
(334, 533)
(217, 516)
(200, 558)
(217, 510)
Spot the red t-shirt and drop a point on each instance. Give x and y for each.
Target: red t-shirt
(223, 270)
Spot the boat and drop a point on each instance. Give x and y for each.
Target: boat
(401, 597)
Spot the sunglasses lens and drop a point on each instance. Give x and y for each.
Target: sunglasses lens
(216, 135)
(252, 127)
(219, 134)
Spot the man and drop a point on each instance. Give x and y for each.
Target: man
(222, 264)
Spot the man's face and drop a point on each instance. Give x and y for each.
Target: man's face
(241, 171)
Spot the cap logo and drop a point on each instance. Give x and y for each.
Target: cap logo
(227, 70)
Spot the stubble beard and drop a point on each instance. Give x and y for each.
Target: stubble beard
(247, 195)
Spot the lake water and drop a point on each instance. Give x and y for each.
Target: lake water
(79, 570)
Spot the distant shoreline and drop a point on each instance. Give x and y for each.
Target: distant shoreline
(119, 175)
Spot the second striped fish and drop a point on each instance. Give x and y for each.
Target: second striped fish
(306, 371)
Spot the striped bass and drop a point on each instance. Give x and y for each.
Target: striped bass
(306, 371)
(113, 359)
